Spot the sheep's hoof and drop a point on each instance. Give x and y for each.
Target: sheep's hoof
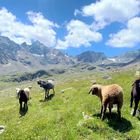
(133, 114)
(102, 119)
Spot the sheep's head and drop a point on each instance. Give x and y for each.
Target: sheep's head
(39, 82)
(95, 90)
(136, 83)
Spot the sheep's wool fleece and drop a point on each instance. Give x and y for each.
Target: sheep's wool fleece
(112, 91)
(27, 91)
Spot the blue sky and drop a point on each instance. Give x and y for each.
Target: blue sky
(73, 26)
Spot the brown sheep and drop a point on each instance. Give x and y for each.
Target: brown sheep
(109, 95)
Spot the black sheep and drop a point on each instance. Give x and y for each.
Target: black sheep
(22, 98)
(47, 86)
(135, 95)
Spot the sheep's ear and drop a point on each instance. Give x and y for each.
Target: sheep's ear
(134, 83)
(17, 90)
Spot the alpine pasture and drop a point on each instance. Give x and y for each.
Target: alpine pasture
(61, 118)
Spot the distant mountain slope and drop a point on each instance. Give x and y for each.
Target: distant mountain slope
(47, 55)
(14, 57)
(128, 58)
(91, 57)
(21, 58)
(8, 50)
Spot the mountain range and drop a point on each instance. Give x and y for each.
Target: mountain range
(24, 57)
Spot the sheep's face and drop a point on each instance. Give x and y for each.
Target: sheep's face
(95, 91)
(39, 82)
(136, 84)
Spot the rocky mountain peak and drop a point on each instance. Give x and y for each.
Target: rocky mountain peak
(91, 57)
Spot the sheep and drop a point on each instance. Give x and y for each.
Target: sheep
(23, 96)
(47, 86)
(135, 95)
(109, 95)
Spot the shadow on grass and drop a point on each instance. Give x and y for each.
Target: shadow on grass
(122, 125)
(23, 111)
(48, 98)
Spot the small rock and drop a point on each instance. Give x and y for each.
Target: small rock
(137, 73)
(62, 91)
(107, 77)
(2, 128)
(85, 116)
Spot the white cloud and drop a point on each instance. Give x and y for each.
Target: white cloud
(77, 12)
(128, 37)
(105, 12)
(40, 28)
(79, 34)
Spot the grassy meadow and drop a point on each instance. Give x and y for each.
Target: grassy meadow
(61, 117)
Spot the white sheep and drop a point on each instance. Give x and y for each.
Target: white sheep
(109, 95)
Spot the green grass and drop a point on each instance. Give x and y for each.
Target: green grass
(61, 118)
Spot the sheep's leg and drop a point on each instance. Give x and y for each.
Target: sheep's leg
(136, 106)
(119, 110)
(131, 101)
(103, 111)
(20, 105)
(46, 94)
(25, 105)
(110, 109)
(53, 91)
(110, 106)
